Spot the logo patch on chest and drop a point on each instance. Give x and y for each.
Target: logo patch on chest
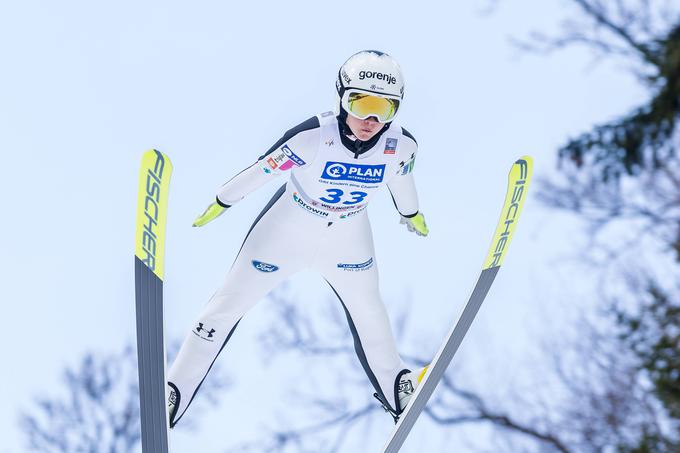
(390, 146)
(342, 171)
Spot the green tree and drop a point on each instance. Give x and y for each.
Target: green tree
(627, 172)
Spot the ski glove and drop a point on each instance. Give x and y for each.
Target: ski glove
(416, 223)
(211, 213)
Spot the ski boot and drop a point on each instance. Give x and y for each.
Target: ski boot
(405, 386)
(172, 404)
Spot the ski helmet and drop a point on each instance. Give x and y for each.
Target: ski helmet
(370, 83)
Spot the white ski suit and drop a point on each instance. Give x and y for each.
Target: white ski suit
(316, 220)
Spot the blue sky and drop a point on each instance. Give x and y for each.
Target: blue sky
(86, 87)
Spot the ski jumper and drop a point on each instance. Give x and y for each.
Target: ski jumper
(317, 220)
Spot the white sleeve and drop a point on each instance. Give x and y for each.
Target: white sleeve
(249, 180)
(296, 148)
(295, 151)
(404, 194)
(402, 186)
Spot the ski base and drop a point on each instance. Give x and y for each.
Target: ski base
(154, 181)
(151, 360)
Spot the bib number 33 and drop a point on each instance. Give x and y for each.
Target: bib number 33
(336, 196)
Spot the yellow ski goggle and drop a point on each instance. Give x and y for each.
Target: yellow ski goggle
(363, 105)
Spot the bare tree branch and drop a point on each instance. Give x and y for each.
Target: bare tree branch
(99, 411)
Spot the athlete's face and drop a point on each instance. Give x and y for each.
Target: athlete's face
(364, 129)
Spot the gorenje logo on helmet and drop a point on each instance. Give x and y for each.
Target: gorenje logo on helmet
(389, 78)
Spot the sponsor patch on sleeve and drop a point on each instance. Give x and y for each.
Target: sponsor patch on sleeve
(406, 166)
(282, 159)
(293, 159)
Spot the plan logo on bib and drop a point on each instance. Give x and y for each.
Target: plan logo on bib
(342, 171)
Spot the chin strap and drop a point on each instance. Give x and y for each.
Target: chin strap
(357, 146)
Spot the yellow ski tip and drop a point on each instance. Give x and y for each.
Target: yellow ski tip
(152, 202)
(518, 184)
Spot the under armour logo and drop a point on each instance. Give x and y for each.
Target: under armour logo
(330, 142)
(203, 332)
(200, 328)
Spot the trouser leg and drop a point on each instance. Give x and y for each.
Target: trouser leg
(353, 274)
(249, 280)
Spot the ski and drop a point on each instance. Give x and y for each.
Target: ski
(518, 183)
(154, 181)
